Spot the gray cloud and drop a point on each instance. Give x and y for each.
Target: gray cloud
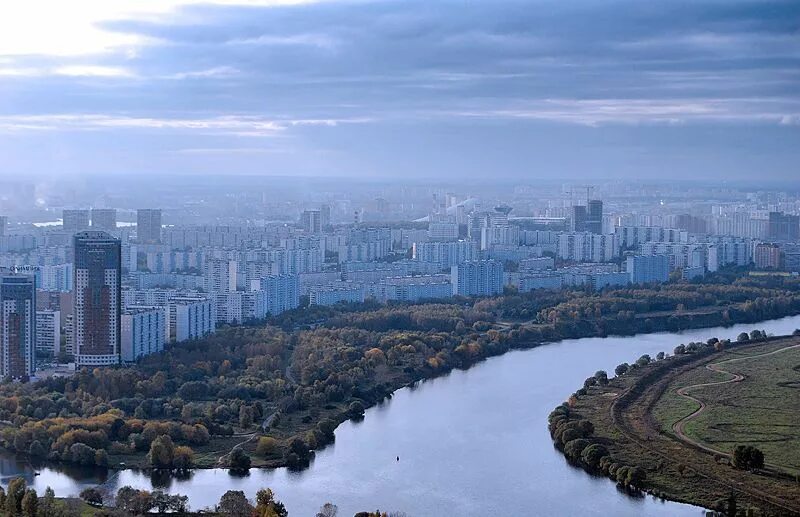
(317, 71)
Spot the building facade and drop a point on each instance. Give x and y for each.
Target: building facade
(97, 299)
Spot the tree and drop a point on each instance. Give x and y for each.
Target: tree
(741, 338)
(239, 460)
(328, 510)
(592, 455)
(14, 495)
(137, 502)
(37, 450)
(644, 360)
(268, 506)
(660, 356)
(266, 445)
(602, 377)
(30, 503)
(356, 409)
(92, 496)
(621, 369)
(245, 416)
(233, 503)
(161, 452)
(679, 350)
(747, 457)
(183, 458)
(47, 504)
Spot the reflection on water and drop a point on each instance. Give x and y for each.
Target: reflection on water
(473, 442)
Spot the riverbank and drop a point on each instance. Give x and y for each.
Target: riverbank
(608, 427)
(494, 409)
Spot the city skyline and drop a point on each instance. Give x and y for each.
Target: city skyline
(378, 90)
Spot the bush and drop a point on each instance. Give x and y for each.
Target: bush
(239, 460)
(267, 445)
(747, 457)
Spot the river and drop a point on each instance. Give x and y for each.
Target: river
(472, 443)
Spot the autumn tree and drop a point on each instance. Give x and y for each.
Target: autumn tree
(233, 503)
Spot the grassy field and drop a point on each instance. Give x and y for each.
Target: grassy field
(762, 410)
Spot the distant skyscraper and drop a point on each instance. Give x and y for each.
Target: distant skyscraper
(97, 299)
(325, 215)
(75, 220)
(311, 221)
(594, 217)
(578, 220)
(104, 219)
(17, 326)
(784, 227)
(148, 226)
(3, 224)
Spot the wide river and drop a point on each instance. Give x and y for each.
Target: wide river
(472, 443)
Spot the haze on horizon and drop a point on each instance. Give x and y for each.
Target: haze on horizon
(402, 89)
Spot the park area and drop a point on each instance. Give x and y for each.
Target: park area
(748, 396)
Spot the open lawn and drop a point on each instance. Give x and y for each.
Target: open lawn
(763, 409)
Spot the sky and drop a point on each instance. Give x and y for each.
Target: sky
(382, 89)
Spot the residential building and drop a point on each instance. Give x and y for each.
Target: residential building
(648, 269)
(17, 326)
(191, 318)
(767, 256)
(143, 332)
(104, 219)
(148, 226)
(74, 221)
(97, 299)
(48, 333)
(477, 278)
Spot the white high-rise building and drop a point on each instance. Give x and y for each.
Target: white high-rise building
(477, 278)
(48, 332)
(191, 318)
(282, 293)
(143, 332)
(220, 275)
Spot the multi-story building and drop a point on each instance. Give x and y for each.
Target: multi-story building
(445, 254)
(17, 326)
(784, 227)
(578, 220)
(97, 299)
(477, 278)
(336, 293)
(311, 221)
(587, 247)
(74, 221)
(104, 219)
(143, 332)
(229, 307)
(767, 256)
(220, 275)
(191, 318)
(647, 269)
(55, 278)
(3, 224)
(282, 293)
(442, 231)
(594, 217)
(148, 226)
(416, 288)
(48, 332)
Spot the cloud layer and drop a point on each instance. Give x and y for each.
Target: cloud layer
(502, 82)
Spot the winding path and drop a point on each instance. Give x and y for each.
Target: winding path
(678, 427)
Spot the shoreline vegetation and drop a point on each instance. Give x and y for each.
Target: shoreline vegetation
(608, 428)
(268, 394)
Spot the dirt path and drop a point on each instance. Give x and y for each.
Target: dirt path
(678, 427)
(249, 439)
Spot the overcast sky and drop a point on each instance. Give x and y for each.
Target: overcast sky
(699, 89)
